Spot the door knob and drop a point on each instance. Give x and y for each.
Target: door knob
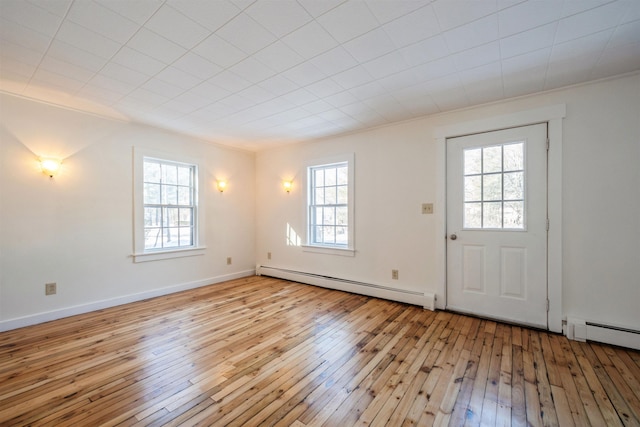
(453, 237)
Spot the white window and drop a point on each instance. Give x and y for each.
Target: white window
(167, 215)
(330, 205)
(169, 192)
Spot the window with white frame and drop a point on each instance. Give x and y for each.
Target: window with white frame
(330, 204)
(169, 193)
(168, 213)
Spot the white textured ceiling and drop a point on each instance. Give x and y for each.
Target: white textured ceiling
(254, 74)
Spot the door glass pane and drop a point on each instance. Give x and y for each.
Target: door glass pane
(473, 161)
(492, 159)
(473, 215)
(492, 187)
(514, 215)
(514, 186)
(514, 157)
(472, 188)
(492, 215)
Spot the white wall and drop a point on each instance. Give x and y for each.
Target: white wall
(396, 171)
(76, 229)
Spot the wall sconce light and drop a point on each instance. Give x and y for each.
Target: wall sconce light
(287, 186)
(50, 166)
(222, 185)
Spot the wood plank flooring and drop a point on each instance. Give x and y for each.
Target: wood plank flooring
(266, 352)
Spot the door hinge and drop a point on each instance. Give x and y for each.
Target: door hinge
(548, 143)
(547, 224)
(547, 305)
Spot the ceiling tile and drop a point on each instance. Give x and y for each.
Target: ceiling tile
(300, 97)
(88, 40)
(23, 36)
(571, 7)
(252, 70)
(137, 11)
(453, 14)
(124, 74)
(483, 84)
(527, 61)
(310, 40)
(66, 69)
(304, 74)
(386, 11)
(138, 61)
(367, 90)
(108, 83)
(156, 46)
(324, 88)
(13, 52)
(568, 72)
(425, 51)
(278, 85)
(348, 20)
(16, 70)
(230, 81)
(477, 56)
(209, 14)
(163, 88)
(246, 34)
(316, 8)
(435, 69)
(30, 16)
(476, 33)
(77, 56)
(279, 16)
(370, 46)
(539, 12)
(414, 27)
(102, 20)
(334, 61)
(591, 21)
(592, 45)
(341, 99)
(621, 59)
(353, 77)
(219, 51)
(196, 65)
(178, 78)
(386, 65)
(278, 56)
(524, 81)
(173, 25)
(57, 7)
(625, 34)
(211, 91)
(528, 41)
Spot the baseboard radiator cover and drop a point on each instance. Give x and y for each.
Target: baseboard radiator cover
(582, 330)
(425, 300)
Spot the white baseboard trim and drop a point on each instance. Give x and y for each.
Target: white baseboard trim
(410, 297)
(35, 319)
(582, 330)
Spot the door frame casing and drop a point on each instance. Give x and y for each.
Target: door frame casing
(553, 116)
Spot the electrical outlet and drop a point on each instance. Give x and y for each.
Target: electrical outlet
(427, 208)
(394, 274)
(50, 288)
(228, 260)
(268, 255)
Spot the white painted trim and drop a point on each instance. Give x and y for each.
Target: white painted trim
(160, 255)
(372, 290)
(582, 330)
(34, 319)
(552, 115)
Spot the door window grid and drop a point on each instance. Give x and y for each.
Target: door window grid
(169, 204)
(328, 205)
(494, 187)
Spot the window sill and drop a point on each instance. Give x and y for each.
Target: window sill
(168, 254)
(329, 250)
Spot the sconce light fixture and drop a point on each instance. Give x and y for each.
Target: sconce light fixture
(222, 185)
(50, 166)
(287, 186)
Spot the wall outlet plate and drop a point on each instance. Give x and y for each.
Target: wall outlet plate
(50, 288)
(427, 208)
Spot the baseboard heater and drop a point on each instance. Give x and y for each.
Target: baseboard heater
(581, 330)
(410, 297)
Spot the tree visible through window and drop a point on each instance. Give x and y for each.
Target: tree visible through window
(169, 204)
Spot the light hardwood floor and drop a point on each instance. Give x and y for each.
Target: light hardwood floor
(263, 351)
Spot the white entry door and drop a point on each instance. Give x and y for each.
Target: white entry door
(497, 225)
